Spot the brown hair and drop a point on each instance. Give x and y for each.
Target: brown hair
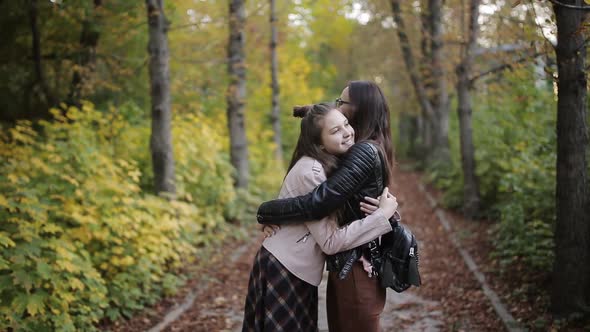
(370, 120)
(310, 140)
(310, 137)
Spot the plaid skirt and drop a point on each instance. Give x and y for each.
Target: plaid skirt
(277, 300)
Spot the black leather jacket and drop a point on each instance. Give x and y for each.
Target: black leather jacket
(359, 174)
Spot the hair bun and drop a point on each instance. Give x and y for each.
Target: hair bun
(301, 111)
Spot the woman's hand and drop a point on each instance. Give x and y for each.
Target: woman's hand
(269, 230)
(386, 202)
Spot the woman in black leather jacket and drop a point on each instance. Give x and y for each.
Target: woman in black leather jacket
(355, 299)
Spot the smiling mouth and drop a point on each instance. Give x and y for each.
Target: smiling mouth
(349, 142)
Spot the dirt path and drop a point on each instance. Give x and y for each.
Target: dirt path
(449, 300)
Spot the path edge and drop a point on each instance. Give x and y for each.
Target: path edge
(507, 319)
(177, 311)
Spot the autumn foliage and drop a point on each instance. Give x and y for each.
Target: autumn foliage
(81, 239)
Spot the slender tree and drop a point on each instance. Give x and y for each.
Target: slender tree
(408, 56)
(40, 81)
(471, 196)
(434, 106)
(87, 56)
(236, 93)
(571, 271)
(440, 124)
(275, 116)
(161, 136)
(424, 124)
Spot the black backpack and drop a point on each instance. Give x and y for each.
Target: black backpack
(399, 259)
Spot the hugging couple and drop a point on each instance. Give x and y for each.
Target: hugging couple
(333, 207)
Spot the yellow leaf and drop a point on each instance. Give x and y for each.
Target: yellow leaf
(13, 178)
(68, 297)
(5, 240)
(76, 284)
(128, 260)
(3, 201)
(70, 180)
(67, 266)
(51, 228)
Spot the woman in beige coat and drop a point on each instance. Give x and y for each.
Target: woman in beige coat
(355, 298)
(282, 291)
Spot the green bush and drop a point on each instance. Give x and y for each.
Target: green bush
(515, 143)
(80, 239)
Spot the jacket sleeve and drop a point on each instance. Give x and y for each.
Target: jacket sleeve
(354, 170)
(333, 239)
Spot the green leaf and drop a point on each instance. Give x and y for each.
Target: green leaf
(44, 270)
(20, 303)
(23, 278)
(36, 303)
(5, 282)
(3, 264)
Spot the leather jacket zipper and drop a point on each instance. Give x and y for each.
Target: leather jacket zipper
(304, 238)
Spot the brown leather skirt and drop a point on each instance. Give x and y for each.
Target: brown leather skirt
(355, 303)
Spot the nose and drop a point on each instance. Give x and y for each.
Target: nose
(347, 132)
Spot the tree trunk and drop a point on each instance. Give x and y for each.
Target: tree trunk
(40, 81)
(471, 196)
(87, 58)
(571, 271)
(425, 42)
(425, 133)
(440, 123)
(426, 130)
(421, 93)
(236, 93)
(161, 137)
(406, 134)
(409, 59)
(275, 116)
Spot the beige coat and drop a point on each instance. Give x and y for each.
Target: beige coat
(300, 247)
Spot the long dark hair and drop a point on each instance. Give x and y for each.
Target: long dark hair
(370, 120)
(310, 137)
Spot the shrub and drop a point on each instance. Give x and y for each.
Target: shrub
(515, 144)
(80, 238)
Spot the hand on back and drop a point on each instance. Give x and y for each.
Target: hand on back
(386, 202)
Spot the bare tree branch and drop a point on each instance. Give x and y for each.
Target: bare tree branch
(188, 25)
(504, 66)
(565, 5)
(504, 48)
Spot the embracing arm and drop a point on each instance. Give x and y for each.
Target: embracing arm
(356, 167)
(333, 239)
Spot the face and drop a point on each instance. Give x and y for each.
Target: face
(337, 134)
(344, 103)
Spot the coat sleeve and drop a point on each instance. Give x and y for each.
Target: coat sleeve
(354, 170)
(333, 239)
